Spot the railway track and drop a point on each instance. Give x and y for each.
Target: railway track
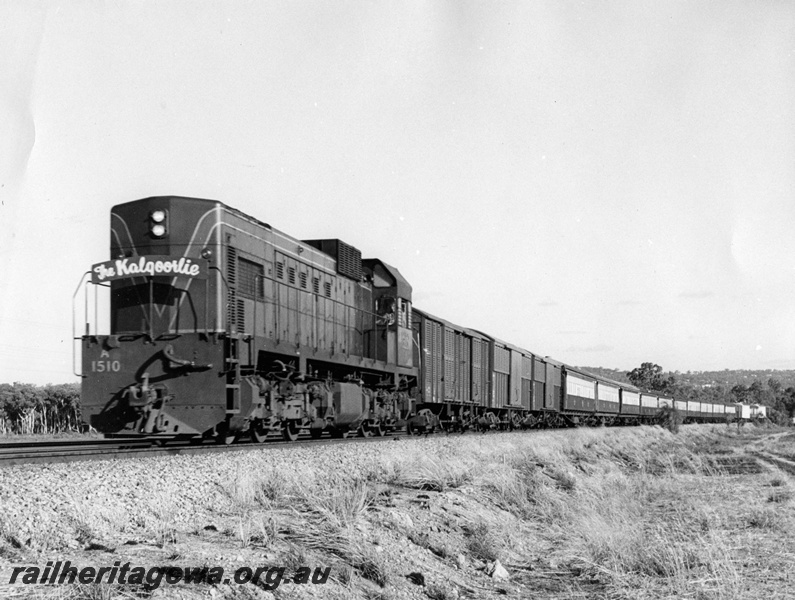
(17, 453)
(52, 451)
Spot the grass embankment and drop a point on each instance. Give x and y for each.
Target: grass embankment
(598, 513)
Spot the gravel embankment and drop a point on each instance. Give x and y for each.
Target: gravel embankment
(52, 505)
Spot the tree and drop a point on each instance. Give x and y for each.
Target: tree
(63, 406)
(20, 403)
(26, 408)
(649, 376)
(740, 393)
(788, 400)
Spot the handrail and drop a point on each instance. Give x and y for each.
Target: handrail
(252, 346)
(74, 323)
(226, 283)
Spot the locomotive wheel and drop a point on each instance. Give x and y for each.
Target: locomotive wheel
(412, 429)
(226, 439)
(258, 431)
(290, 431)
(339, 432)
(365, 431)
(223, 436)
(377, 430)
(316, 433)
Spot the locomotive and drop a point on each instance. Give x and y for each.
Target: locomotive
(221, 325)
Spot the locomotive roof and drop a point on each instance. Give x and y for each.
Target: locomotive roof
(207, 201)
(403, 286)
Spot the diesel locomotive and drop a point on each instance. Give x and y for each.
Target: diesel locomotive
(220, 325)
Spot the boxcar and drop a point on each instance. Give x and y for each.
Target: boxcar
(481, 369)
(454, 367)
(547, 381)
(510, 380)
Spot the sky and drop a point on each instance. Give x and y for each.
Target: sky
(606, 183)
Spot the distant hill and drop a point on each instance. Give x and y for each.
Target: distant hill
(726, 378)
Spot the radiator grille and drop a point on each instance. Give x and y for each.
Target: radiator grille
(231, 280)
(349, 261)
(252, 279)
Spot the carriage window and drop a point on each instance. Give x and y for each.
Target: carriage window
(385, 305)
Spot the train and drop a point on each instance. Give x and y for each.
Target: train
(217, 325)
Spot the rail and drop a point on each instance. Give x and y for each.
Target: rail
(17, 453)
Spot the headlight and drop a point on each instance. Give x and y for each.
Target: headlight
(158, 223)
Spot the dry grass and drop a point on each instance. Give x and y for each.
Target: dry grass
(765, 517)
(434, 473)
(619, 515)
(483, 543)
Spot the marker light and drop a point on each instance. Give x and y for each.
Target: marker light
(158, 230)
(158, 216)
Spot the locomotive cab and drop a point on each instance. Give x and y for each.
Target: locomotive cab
(392, 298)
